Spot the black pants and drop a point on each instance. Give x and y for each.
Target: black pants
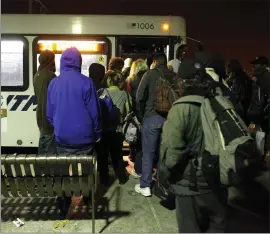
(47, 144)
(111, 144)
(136, 154)
(201, 213)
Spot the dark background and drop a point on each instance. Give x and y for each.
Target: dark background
(237, 29)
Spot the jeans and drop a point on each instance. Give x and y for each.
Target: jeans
(151, 138)
(47, 144)
(75, 149)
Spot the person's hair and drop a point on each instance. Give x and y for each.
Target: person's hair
(235, 66)
(116, 64)
(115, 78)
(220, 66)
(138, 66)
(160, 59)
(97, 73)
(201, 84)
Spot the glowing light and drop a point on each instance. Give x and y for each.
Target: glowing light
(165, 27)
(60, 46)
(11, 46)
(76, 28)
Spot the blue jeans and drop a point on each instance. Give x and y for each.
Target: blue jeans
(47, 144)
(71, 149)
(151, 136)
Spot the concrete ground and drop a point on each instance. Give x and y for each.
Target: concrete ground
(126, 212)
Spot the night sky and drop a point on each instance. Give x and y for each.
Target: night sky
(237, 29)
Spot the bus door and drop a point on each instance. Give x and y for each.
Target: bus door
(140, 47)
(93, 50)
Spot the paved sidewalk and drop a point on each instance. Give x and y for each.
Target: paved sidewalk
(127, 212)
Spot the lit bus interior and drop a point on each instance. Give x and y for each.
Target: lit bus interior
(93, 51)
(139, 47)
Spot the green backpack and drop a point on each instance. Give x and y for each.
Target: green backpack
(228, 153)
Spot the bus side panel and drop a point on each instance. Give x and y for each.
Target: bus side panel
(21, 128)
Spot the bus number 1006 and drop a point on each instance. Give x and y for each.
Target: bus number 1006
(145, 26)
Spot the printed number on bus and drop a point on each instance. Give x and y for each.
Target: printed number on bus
(145, 26)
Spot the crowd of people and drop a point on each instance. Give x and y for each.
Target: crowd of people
(77, 114)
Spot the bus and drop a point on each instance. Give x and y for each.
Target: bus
(98, 37)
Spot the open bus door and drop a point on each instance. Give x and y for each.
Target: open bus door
(139, 46)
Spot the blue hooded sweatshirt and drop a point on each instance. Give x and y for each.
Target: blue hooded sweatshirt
(72, 103)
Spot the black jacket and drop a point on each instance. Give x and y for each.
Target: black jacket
(42, 80)
(259, 110)
(242, 89)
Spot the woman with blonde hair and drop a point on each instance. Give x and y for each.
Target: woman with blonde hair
(138, 68)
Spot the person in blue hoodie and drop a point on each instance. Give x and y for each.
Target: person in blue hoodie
(73, 107)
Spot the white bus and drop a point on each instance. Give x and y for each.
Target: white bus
(98, 37)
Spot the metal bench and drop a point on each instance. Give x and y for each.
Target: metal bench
(50, 176)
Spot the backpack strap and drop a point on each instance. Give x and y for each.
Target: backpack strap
(129, 104)
(100, 91)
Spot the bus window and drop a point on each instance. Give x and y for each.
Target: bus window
(93, 51)
(14, 64)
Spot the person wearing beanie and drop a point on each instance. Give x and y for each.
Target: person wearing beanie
(198, 210)
(42, 79)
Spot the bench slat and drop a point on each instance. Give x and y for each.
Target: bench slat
(30, 180)
(85, 180)
(40, 180)
(75, 183)
(49, 186)
(57, 187)
(21, 180)
(66, 185)
(11, 180)
(4, 190)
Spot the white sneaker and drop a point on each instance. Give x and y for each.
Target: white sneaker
(144, 191)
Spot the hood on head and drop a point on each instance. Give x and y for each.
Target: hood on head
(187, 69)
(47, 60)
(71, 59)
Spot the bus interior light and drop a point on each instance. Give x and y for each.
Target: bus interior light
(60, 46)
